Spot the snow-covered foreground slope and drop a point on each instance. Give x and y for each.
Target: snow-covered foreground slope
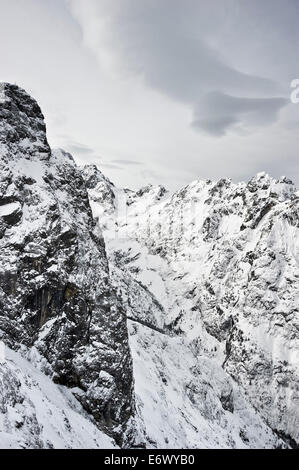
(220, 264)
(186, 400)
(37, 414)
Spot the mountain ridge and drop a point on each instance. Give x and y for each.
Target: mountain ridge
(238, 235)
(55, 290)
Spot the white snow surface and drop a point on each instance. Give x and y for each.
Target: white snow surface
(216, 348)
(36, 413)
(179, 397)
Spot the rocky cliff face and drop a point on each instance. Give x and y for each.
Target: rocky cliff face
(55, 288)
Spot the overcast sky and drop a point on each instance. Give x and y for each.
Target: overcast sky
(161, 91)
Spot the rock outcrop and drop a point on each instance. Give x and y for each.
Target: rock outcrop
(55, 289)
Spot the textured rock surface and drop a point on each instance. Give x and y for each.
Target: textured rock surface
(55, 289)
(221, 259)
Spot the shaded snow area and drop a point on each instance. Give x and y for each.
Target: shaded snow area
(188, 401)
(37, 414)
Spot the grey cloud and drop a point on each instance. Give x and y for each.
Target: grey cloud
(181, 64)
(127, 162)
(170, 44)
(110, 166)
(216, 113)
(79, 148)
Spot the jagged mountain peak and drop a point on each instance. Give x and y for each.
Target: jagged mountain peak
(261, 183)
(157, 190)
(22, 126)
(93, 176)
(282, 188)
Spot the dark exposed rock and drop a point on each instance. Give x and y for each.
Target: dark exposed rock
(22, 122)
(227, 402)
(55, 289)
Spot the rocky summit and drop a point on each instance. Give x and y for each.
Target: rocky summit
(142, 318)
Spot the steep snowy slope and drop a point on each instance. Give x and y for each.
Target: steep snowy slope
(186, 400)
(37, 414)
(221, 260)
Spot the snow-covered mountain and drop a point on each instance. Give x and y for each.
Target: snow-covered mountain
(157, 319)
(219, 262)
(55, 288)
